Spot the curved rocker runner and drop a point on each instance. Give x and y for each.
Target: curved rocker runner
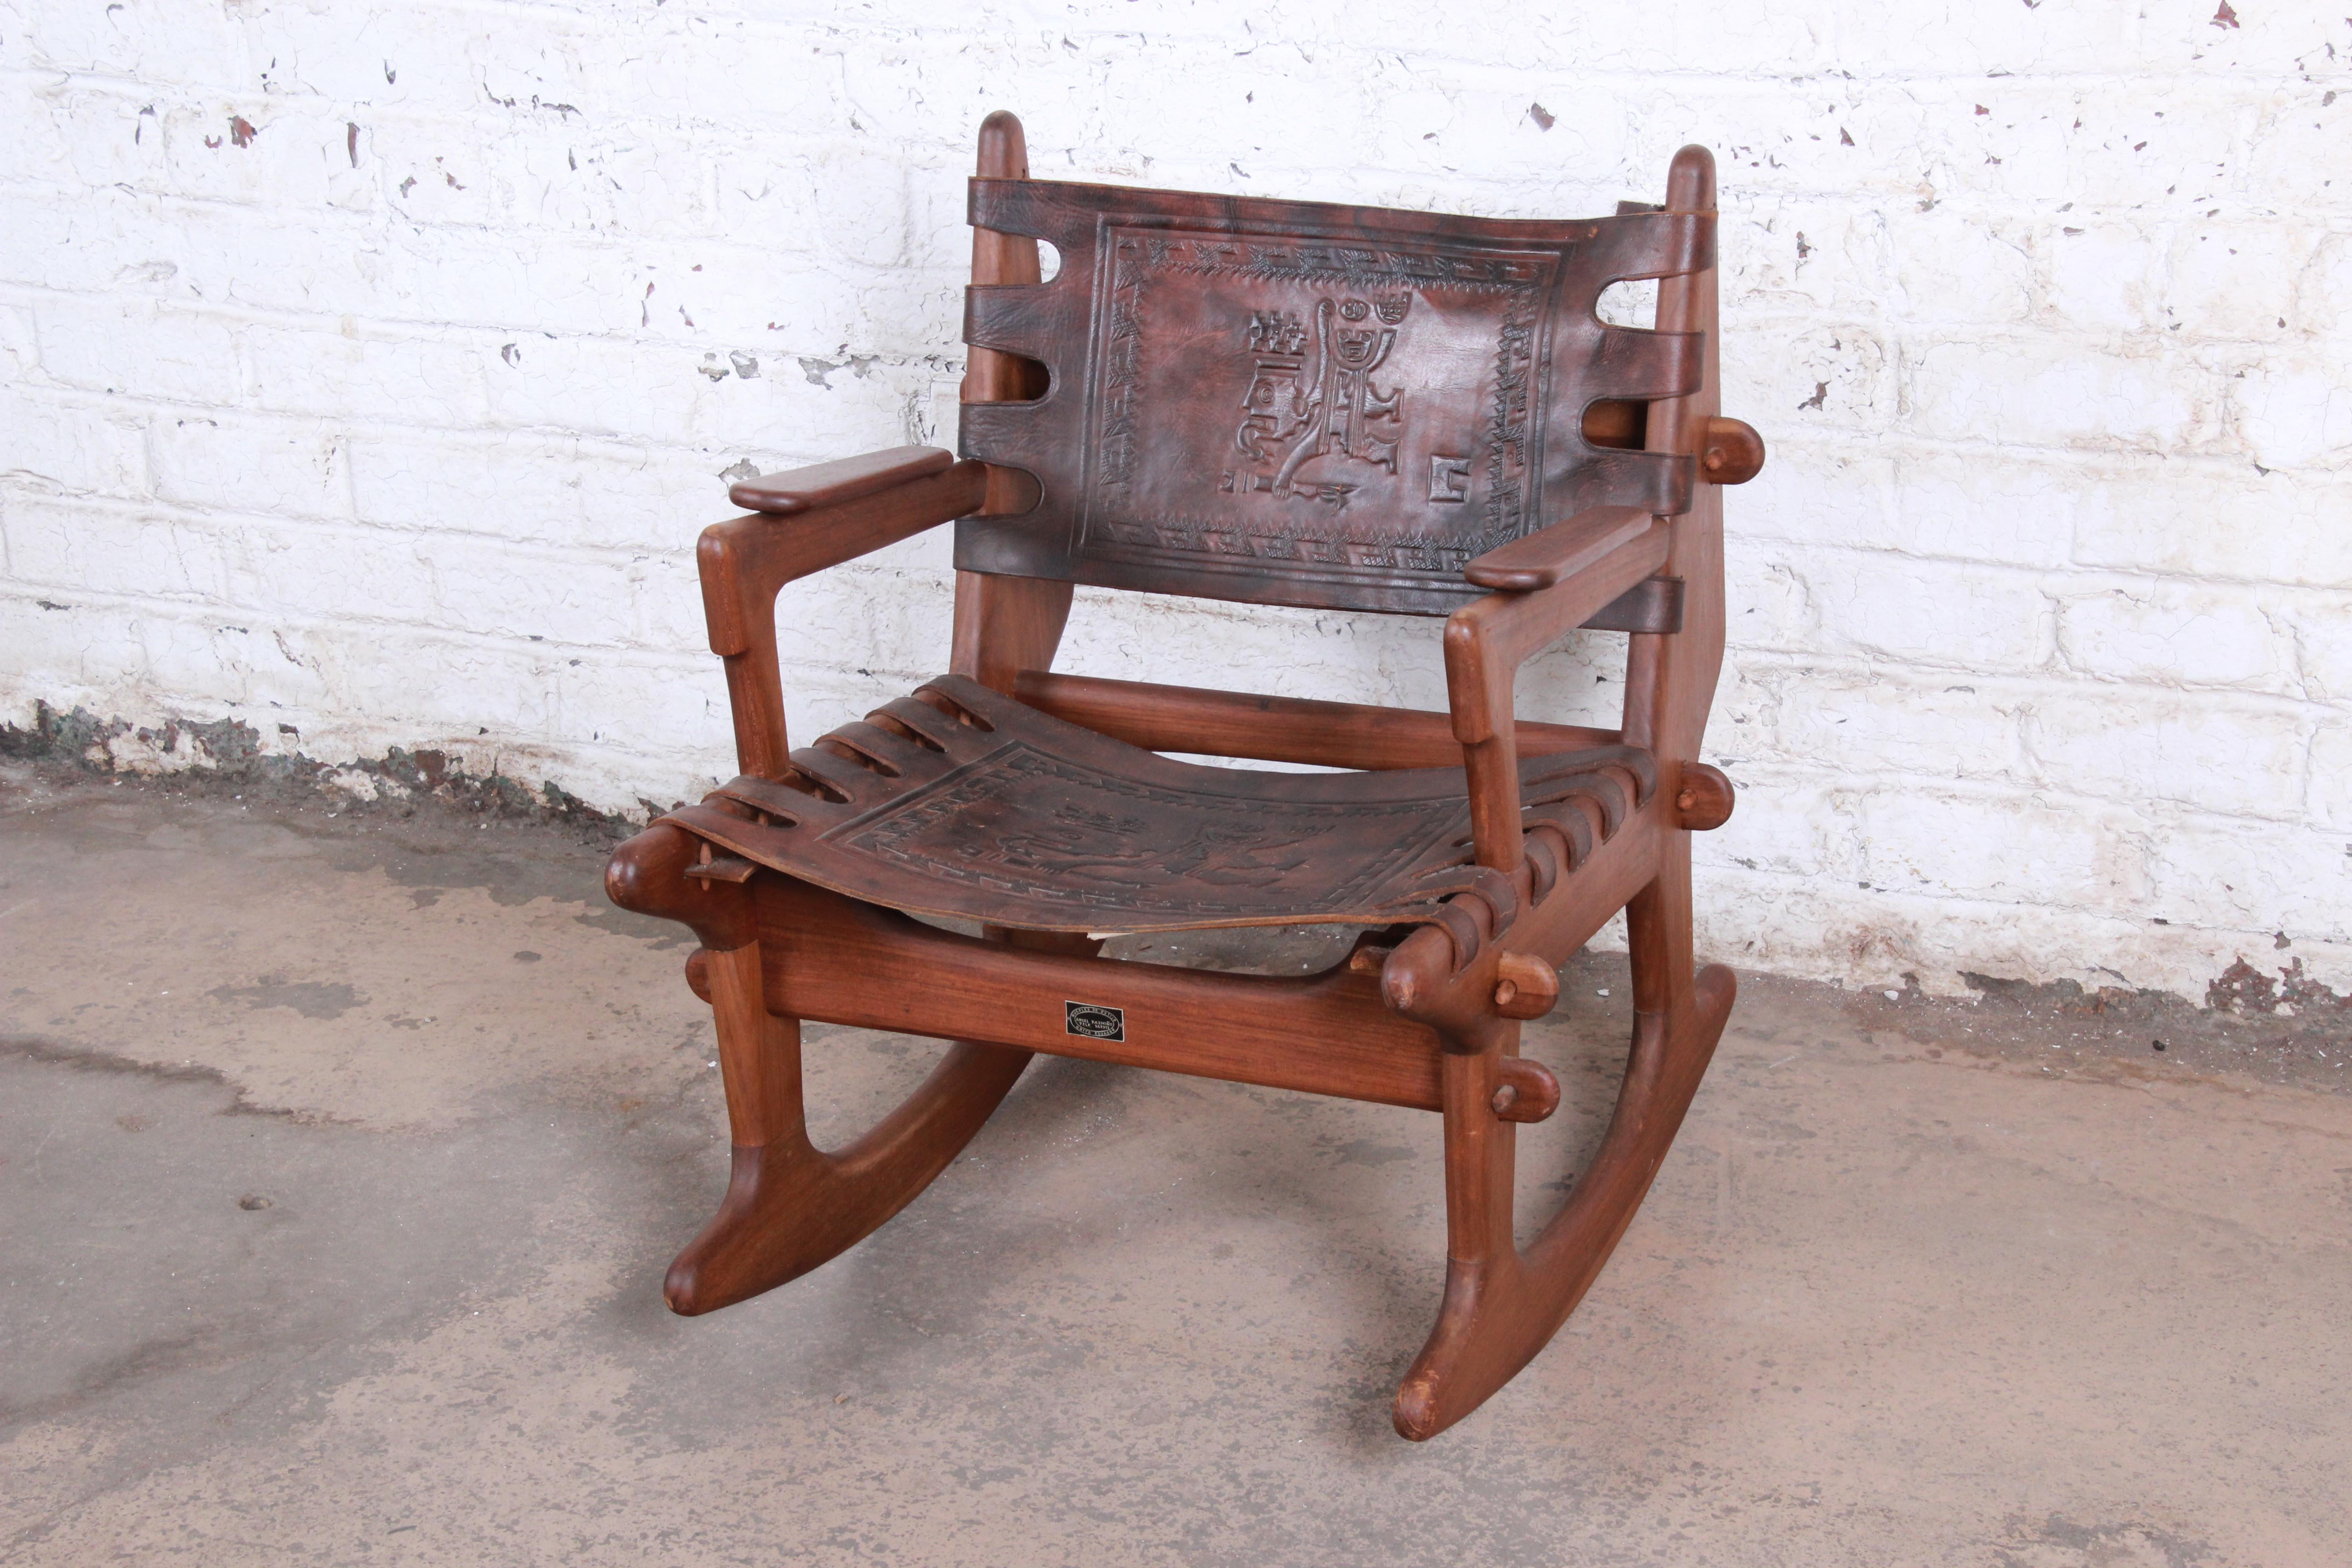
(1277, 402)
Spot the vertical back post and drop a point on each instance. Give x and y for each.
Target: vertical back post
(991, 377)
(1669, 678)
(1004, 624)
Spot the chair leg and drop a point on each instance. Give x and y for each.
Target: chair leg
(791, 1207)
(1502, 1305)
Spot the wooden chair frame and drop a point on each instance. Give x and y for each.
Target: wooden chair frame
(1403, 1022)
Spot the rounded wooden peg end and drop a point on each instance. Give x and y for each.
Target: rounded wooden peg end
(1734, 452)
(1690, 180)
(698, 972)
(1004, 147)
(1528, 1092)
(1414, 975)
(1705, 800)
(1525, 987)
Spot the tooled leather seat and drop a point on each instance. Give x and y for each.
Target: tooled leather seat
(961, 802)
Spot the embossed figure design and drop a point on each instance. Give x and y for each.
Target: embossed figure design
(1275, 403)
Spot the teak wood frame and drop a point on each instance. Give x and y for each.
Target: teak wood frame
(1399, 1024)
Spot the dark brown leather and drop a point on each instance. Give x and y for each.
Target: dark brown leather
(1303, 404)
(961, 802)
(1653, 605)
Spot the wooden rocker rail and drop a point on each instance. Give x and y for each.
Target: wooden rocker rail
(1517, 839)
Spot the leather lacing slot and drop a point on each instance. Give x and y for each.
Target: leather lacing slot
(867, 746)
(910, 721)
(805, 783)
(1543, 867)
(1557, 820)
(931, 696)
(1460, 927)
(1558, 816)
(1637, 764)
(1602, 790)
(837, 779)
(1558, 839)
(1456, 886)
(770, 799)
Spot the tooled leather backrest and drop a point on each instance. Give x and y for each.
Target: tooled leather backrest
(1297, 402)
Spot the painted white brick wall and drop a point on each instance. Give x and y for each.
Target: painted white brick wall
(366, 371)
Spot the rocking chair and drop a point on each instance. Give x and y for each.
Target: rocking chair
(1277, 402)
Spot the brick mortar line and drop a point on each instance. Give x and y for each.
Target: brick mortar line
(2156, 816)
(692, 661)
(681, 553)
(1861, 671)
(922, 43)
(1981, 672)
(185, 610)
(392, 331)
(162, 403)
(2100, 581)
(1755, 201)
(680, 556)
(603, 243)
(1811, 439)
(2078, 577)
(1751, 197)
(1760, 203)
(1998, 908)
(2057, 582)
(1820, 439)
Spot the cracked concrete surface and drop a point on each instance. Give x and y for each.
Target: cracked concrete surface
(341, 1157)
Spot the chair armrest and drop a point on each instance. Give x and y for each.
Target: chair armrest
(811, 519)
(853, 508)
(826, 484)
(1551, 556)
(1574, 569)
(1488, 639)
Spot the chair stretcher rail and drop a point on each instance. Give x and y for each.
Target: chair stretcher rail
(1273, 729)
(835, 961)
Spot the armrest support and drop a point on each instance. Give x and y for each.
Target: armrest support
(838, 512)
(1488, 640)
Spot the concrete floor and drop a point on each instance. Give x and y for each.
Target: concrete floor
(341, 1157)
